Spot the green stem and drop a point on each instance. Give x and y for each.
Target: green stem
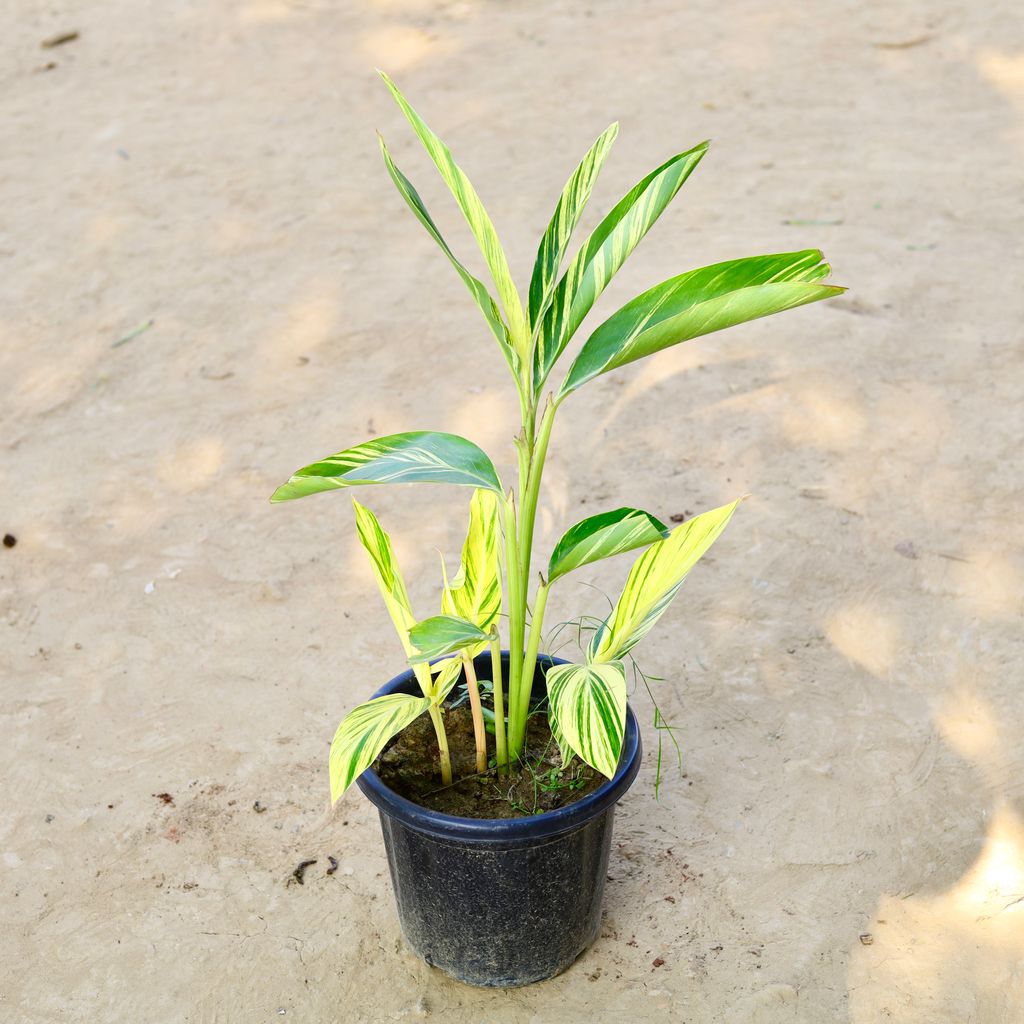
(442, 744)
(500, 742)
(479, 733)
(520, 680)
(516, 609)
(530, 664)
(528, 508)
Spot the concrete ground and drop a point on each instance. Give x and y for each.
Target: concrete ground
(208, 280)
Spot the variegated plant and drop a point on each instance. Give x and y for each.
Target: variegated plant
(587, 702)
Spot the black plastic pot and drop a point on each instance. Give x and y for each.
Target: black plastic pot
(507, 901)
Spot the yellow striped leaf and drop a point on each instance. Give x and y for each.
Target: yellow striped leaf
(700, 302)
(390, 583)
(563, 222)
(447, 674)
(418, 456)
(476, 217)
(564, 750)
(588, 704)
(476, 287)
(365, 731)
(602, 255)
(652, 583)
(601, 536)
(475, 592)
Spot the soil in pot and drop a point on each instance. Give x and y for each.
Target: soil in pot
(409, 766)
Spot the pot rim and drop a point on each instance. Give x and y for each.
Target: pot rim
(505, 831)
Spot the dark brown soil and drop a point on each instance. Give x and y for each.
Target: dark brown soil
(409, 765)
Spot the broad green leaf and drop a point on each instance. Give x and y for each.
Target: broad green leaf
(588, 703)
(419, 456)
(443, 634)
(447, 674)
(365, 731)
(475, 592)
(476, 287)
(697, 303)
(389, 581)
(653, 581)
(601, 536)
(602, 255)
(563, 222)
(476, 216)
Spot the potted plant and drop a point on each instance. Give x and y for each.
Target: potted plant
(492, 892)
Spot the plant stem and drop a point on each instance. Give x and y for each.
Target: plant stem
(479, 733)
(528, 509)
(442, 744)
(499, 707)
(531, 468)
(516, 613)
(530, 663)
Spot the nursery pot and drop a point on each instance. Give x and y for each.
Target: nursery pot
(501, 902)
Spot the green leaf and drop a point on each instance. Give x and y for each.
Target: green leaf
(476, 287)
(602, 255)
(475, 592)
(563, 222)
(443, 634)
(697, 303)
(419, 456)
(365, 731)
(604, 535)
(476, 216)
(653, 581)
(588, 703)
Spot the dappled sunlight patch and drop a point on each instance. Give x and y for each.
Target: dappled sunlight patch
(308, 324)
(960, 950)
(820, 415)
(865, 635)
(191, 466)
(968, 726)
(400, 47)
(989, 585)
(266, 12)
(1005, 71)
(488, 417)
(103, 228)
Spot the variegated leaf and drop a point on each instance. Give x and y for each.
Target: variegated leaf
(604, 535)
(446, 676)
(697, 303)
(365, 731)
(476, 287)
(476, 216)
(441, 635)
(563, 222)
(389, 581)
(564, 750)
(602, 255)
(418, 456)
(475, 592)
(652, 583)
(589, 707)
(385, 567)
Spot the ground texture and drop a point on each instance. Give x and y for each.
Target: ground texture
(847, 843)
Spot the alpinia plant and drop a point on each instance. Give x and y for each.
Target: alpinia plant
(587, 702)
